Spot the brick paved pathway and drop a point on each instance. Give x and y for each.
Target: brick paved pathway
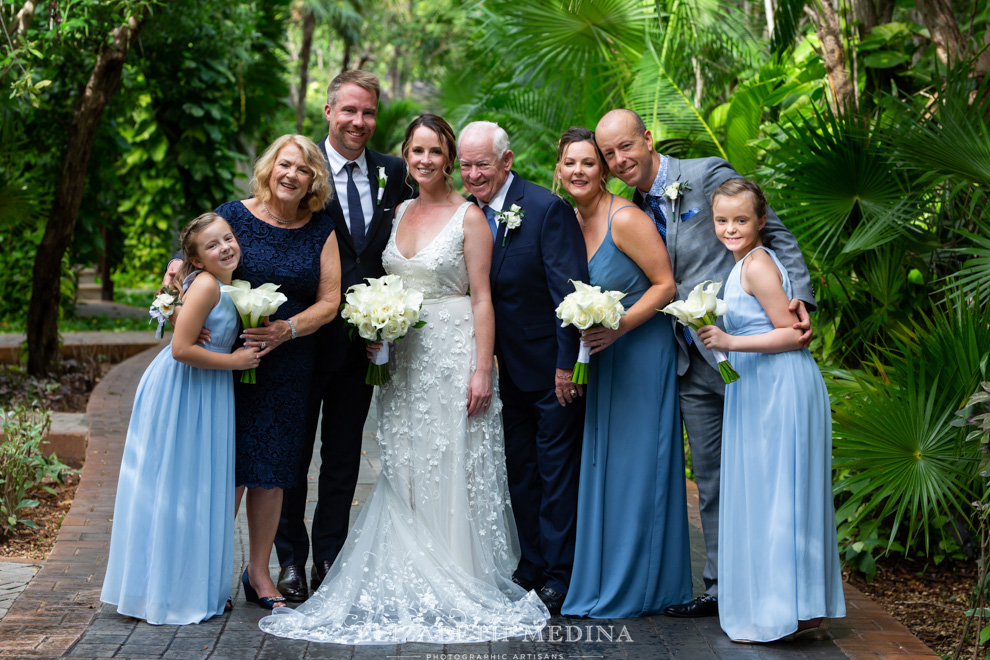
(59, 613)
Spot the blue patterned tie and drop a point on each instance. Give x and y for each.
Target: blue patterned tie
(490, 214)
(354, 209)
(659, 219)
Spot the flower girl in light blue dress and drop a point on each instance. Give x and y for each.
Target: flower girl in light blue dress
(171, 548)
(778, 568)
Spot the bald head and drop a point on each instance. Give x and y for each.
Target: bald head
(628, 148)
(622, 117)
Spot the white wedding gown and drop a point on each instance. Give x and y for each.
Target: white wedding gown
(431, 556)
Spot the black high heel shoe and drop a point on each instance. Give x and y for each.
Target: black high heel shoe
(251, 596)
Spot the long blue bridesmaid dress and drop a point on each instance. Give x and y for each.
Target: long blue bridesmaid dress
(779, 562)
(632, 556)
(172, 544)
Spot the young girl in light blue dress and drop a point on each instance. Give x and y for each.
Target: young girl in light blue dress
(778, 566)
(172, 544)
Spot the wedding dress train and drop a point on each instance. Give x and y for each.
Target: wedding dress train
(431, 555)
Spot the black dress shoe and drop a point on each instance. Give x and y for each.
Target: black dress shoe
(552, 598)
(525, 584)
(703, 605)
(292, 583)
(318, 572)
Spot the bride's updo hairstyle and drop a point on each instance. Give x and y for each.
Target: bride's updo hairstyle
(444, 133)
(571, 136)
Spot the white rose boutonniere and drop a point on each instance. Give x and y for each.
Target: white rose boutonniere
(512, 219)
(382, 180)
(676, 189)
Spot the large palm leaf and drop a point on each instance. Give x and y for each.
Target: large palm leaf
(839, 187)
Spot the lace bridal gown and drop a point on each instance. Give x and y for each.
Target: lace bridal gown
(430, 557)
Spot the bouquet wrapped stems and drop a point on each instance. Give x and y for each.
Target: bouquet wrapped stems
(378, 373)
(580, 375)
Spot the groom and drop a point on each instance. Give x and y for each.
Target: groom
(362, 210)
(685, 222)
(542, 410)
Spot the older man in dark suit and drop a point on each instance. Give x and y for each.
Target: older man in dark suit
(543, 412)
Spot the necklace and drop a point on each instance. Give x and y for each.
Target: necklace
(278, 220)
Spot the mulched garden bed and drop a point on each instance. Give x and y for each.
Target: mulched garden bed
(36, 543)
(929, 600)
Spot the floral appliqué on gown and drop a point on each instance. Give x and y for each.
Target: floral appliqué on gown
(431, 556)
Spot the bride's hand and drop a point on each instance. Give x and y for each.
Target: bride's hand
(479, 393)
(373, 347)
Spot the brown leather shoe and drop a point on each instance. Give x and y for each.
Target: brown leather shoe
(292, 583)
(318, 572)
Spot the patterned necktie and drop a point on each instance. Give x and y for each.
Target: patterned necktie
(490, 214)
(354, 209)
(659, 219)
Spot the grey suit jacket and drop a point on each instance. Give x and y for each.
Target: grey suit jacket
(697, 255)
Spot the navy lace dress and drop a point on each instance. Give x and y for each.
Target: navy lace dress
(271, 414)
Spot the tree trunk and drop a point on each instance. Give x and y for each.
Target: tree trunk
(42, 320)
(941, 24)
(308, 25)
(345, 65)
(106, 263)
(834, 55)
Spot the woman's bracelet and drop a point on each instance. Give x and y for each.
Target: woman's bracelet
(292, 328)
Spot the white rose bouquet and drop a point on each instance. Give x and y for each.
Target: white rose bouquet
(162, 307)
(702, 308)
(253, 305)
(589, 306)
(382, 310)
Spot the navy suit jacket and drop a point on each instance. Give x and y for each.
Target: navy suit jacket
(354, 266)
(529, 277)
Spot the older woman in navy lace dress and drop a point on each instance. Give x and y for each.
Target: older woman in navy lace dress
(285, 239)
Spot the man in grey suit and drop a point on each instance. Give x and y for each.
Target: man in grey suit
(683, 216)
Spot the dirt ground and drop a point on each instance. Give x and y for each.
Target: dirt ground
(930, 601)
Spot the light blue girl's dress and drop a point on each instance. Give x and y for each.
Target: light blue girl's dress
(632, 556)
(172, 544)
(778, 561)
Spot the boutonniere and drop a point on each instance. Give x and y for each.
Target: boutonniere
(676, 189)
(512, 219)
(382, 180)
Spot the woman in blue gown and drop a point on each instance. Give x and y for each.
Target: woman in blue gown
(632, 556)
(782, 578)
(172, 545)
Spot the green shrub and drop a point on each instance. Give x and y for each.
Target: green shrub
(22, 465)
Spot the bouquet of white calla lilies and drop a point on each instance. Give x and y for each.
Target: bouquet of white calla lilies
(701, 308)
(589, 306)
(162, 307)
(381, 310)
(253, 305)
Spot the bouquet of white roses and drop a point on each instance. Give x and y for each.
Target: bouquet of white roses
(253, 305)
(162, 307)
(586, 307)
(382, 310)
(702, 308)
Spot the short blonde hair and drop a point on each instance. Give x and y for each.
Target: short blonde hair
(320, 189)
(363, 79)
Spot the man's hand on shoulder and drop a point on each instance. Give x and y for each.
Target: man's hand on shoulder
(804, 322)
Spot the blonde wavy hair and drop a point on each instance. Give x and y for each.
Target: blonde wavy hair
(320, 188)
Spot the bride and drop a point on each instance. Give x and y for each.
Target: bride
(431, 556)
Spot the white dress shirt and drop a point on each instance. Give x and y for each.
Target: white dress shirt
(499, 199)
(339, 174)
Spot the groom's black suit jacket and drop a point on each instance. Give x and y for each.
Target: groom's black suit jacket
(356, 266)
